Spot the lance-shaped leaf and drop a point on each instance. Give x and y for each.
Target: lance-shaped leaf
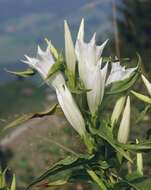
(29, 72)
(124, 129)
(69, 49)
(117, 110)
(13, 184)
(142, 97)
(141, 147)
(3, 179)
(22, 119)
(147, 84)
(106, 134)
(68, 163)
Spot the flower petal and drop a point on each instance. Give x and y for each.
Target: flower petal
(42, 63)
(118, 73)
(70, 109)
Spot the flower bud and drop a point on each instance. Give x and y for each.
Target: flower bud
(124, 128)
(69, 49)
(117, 110)
(139, 161)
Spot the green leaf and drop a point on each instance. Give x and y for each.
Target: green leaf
(55, 68)
(26, 117)
(142, 97)
(142, 183)
(13, 184)
(142, 114)
(124, 184)
(105, 133)
(138, 181)
(27, 73)
(97, 179)
(142, 146)
(71, 78)
(122, 86)
(68, 163)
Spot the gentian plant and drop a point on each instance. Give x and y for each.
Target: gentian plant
(87, 84)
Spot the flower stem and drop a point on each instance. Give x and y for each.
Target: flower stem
(89, 142)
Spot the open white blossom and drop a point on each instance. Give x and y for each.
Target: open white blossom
(119, 73)
(89, 66)
(43, 63)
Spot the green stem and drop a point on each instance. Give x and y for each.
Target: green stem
(96, 179)
(89, 142)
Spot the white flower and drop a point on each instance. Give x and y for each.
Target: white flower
(89, 66)
(124, 128)
(118, 73)
(70, 109)
(43, 63)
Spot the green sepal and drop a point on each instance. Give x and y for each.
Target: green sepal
(52, 49)
(58, 66)
(71, 80)
(27, 73)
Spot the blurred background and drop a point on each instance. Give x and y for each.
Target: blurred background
(23, 25)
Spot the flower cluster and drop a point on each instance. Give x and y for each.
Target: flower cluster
(87, 84)
(91, 71)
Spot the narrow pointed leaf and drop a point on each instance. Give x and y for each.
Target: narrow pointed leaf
(13, 184)
(106, 134)
(26, 117)
(27, 73)
(68, 163)
(142, 97)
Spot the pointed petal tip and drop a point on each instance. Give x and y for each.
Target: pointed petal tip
(80, 35)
